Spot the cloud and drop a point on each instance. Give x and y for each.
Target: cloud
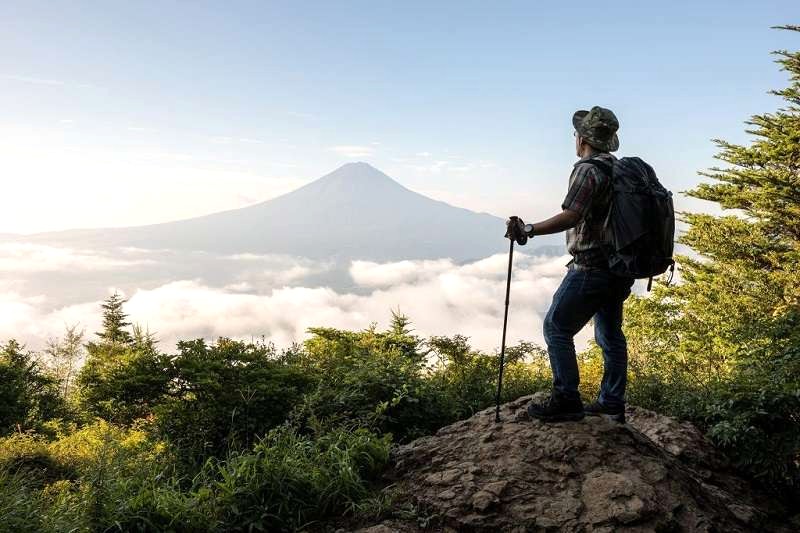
(440, 297)
(32, 319)
(353, 151)
(275, 269)
(29, 257)
(369, 274)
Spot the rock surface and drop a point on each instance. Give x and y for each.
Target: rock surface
(652, 474)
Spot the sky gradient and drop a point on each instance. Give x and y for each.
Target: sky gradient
(116, 114)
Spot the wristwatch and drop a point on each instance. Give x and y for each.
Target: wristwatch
(528, 229)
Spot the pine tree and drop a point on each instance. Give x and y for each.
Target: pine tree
(730, 331)
(124, 374)
(115, 321)
(742, 302)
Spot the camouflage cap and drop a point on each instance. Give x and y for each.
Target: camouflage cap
(598, 127)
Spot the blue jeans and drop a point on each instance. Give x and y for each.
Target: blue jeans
(583, 294)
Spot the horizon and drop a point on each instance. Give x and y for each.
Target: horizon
(341, 167)
(141, 99)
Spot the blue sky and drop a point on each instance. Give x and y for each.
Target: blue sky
(117, 113)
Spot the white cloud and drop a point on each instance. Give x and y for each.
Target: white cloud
(32, 319)
(369, 274)
(440, 297)
(352, 150)
(29, 257)
(279, 269)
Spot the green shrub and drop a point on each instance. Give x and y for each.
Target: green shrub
(289, 481)
(225, 395)
(28, 395)
(755, 418)
(371, 379)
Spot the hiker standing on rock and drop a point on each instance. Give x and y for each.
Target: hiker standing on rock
(589, 289)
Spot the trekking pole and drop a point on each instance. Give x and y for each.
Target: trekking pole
(503, 343)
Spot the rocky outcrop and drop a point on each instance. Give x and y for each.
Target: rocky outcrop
(652, 474)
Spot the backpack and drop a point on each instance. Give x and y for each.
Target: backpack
(641, 220)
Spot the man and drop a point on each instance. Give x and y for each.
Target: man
(589, 290)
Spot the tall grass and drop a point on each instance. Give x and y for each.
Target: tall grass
(105, 478)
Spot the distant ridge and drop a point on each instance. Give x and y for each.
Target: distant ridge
(354, 212)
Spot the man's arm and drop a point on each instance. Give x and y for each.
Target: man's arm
(563, 221)
(575, 206)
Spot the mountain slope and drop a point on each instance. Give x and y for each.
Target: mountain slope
(652, 474)
(354, 212)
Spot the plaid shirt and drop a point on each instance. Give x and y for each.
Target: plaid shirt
(589, 195)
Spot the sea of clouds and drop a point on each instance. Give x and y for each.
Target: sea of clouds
(189, 295)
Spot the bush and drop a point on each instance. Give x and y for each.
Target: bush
(105, 477)
(88, 479)
(28, 396)
(289, 481)
(224, 395)
(753, 417)
(371, 379)
(121, 383)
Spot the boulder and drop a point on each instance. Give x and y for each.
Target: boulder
(652, 474)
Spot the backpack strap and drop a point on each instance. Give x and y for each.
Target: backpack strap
(671, 275)
(605, 166)
(608, 169)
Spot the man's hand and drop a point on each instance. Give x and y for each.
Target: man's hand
(515, 229)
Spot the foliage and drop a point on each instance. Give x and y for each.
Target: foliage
(371, 378)
(124, 375)
(468, 378)
(83, 480)
(122, 383)
(63, 358)
(755, 416)
(104, 478)
(289, 480)
(114, 322)
(717, 347)
(28, 394)
(395, 382)
(226, 394)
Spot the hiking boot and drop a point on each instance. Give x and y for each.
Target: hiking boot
(557, 409)
(617, 414)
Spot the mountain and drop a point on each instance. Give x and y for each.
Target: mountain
(355, 212)
(652, 474)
